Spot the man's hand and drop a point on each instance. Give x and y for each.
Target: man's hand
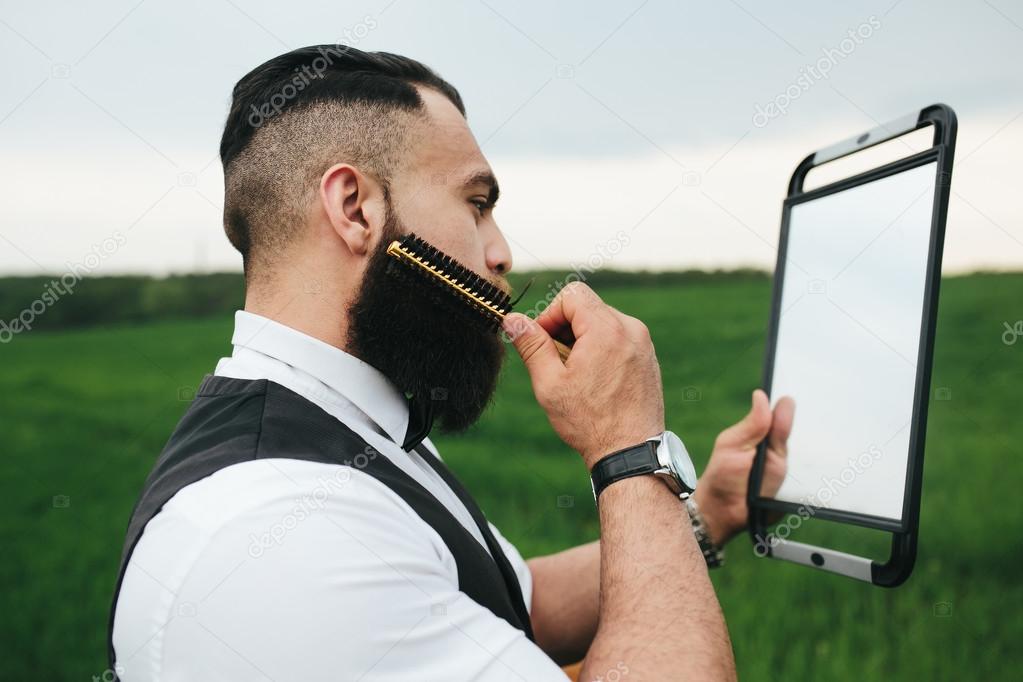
(721, 493)
(608, 394)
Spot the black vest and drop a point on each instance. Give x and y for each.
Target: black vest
(236, 420)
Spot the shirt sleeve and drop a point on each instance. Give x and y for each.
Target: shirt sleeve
(352, 585)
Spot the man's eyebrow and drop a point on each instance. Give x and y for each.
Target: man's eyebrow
(484, 177)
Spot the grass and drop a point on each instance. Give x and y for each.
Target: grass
(86, 412)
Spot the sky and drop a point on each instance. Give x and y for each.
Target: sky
(642, 118)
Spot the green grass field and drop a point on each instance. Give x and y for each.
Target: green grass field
(86, 412)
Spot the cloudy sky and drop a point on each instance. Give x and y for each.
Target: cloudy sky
(638, 116)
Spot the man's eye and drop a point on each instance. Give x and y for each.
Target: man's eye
(481, 205)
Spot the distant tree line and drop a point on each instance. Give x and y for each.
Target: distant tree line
(63, 302)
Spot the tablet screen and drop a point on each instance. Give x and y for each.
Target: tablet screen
(848, 340)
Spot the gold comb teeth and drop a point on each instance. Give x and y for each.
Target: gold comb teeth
(429, 262)
(427, 259)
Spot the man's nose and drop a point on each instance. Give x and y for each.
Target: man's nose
(498, 254)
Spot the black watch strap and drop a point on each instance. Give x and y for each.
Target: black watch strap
(635, 460)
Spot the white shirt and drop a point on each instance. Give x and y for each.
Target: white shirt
(280, 569)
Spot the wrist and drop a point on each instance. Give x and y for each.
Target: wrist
(663, 456)
(637, 490)
(719, 531)
(598, 452)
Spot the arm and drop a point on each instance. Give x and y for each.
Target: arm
(567, 588)
(658, 605)
(566, 601)
(653, 580)
(566, 585)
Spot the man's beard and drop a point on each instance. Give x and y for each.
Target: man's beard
(426, 351)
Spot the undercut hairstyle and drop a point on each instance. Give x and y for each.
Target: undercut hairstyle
(298, 114)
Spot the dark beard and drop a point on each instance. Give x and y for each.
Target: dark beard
(400, 329)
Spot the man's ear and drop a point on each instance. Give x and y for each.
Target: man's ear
(354, 204)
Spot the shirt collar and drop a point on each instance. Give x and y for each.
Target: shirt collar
(361, 384)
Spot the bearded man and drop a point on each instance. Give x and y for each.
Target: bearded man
(300, 525)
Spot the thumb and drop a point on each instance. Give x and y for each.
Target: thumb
(753, 427)
(533, 344)
(781, 425)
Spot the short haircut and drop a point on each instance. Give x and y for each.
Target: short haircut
(294, 116)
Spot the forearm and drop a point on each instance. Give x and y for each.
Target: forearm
(566, 592)
(566, 601)
(657, 605)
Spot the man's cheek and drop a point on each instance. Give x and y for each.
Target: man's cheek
(459, 238)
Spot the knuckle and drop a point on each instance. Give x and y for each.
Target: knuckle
(617, 329)
(582, 294)
(638, 329)
(576, 288)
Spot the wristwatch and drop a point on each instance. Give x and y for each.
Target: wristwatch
(663, 456)
(712, 554)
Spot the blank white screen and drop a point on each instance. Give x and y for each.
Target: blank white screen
(848, 339)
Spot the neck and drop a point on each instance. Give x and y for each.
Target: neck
(307, 304)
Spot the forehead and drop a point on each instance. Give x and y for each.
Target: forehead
(445, 145)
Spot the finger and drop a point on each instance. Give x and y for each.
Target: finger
(534, 345)
(570, 314)
(752, 428)
(781, 425)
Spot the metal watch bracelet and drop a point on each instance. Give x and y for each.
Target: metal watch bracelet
(712, 554)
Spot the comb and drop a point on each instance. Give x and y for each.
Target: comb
(454, 283)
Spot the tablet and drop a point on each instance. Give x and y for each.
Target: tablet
(850, 339)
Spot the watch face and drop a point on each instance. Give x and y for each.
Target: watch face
(679, 460)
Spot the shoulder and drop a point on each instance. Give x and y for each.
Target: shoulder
(267, 499)
(275, 536)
